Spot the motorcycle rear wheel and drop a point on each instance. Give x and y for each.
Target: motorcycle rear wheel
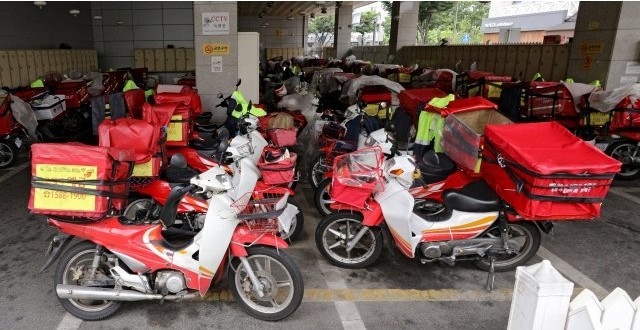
(264, 261)
(322, 198)
(317, 169)
(75, 262)
(619, 150)
(333, 234)
(8, 153)
(526, 230)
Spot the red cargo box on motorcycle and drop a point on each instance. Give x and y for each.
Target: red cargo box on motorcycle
(92, 183)
(280, 172)
(546, 173)
(141, 137)
(171, 115)
(75, 92)
(7, 122)
(179, 128)
(414, 100)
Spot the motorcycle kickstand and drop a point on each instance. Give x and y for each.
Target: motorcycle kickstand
(491, 276)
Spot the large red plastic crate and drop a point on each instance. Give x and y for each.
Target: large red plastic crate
(549, 99)
(554, 176)
(75, 92)
(414, 100)
(92, 183)
(626, 115)
(375, 94)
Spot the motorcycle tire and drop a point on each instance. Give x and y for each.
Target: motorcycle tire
(627, 173)
(298, 225)
(8, 153)
(315, 168)
(286, 263)
(373, 237)
(321, 197)
(79, 308)
(530, 248)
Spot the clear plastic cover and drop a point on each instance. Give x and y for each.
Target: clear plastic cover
(361, 168)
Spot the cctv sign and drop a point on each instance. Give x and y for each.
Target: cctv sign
(215, 23)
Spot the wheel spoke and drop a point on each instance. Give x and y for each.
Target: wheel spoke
(267, 265)
(337, 233)
(282, 284)
(258, 265)
(274, 303)
(334, 245)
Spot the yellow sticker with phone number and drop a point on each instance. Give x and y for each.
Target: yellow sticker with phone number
(63, 200)
(143, 170)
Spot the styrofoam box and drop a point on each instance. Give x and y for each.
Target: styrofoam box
(49, 107)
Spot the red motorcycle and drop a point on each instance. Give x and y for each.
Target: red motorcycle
(117, 261)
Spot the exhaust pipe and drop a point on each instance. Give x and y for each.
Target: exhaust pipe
(92, 293)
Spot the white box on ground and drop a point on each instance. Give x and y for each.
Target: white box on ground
(48, 107)
(540, 298)
(618, 310)
(585, 311)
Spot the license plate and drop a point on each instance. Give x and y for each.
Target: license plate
(18, 143)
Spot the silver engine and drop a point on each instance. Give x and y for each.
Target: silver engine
(170, 281)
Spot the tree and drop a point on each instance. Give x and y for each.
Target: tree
(368, 23)
(322, 27)
(386, 25)
(425, 14)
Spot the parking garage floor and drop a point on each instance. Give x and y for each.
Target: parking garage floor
(394, 293)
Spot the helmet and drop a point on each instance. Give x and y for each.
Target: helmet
(281, 91)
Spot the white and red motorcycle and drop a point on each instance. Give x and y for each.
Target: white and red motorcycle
(471, 227)
(119, 262)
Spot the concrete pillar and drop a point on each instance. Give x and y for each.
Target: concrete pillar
(211, 83)
(305, 32)
(604, 46)
(342, 34)
(404, 25)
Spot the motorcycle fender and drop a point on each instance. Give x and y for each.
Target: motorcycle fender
(243, 238)
(55, 249)
(388, 240)
(372, 217)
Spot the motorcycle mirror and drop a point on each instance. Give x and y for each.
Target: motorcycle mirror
(239, 82)
(383, 105)
(178, 160)
(220, 96)
(223, 134)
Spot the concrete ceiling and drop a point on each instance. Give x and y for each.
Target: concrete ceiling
(285, 8)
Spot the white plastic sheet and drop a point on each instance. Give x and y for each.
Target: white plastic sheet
(606, 101)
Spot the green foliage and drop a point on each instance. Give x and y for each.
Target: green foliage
(367, 23)
(386, 25)
(322, 27)
(464, 17)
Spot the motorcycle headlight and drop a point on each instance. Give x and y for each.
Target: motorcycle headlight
(370, 141)
(225, 181)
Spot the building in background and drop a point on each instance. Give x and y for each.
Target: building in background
(530, 21)
(372, 38)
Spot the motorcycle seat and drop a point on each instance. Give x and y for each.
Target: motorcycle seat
(435, 167)
(208, 144)
(206, 128)
(344, 146)
(474, 197)
(179, 175)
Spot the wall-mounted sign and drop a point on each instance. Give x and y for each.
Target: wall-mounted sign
(215, 24)
(593, 25)
(497, 24)
(216, 63)
(281, 33)
(591, 47)
(587, 62)
(215, 49)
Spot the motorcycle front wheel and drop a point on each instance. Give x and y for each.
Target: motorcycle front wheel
(280, 277)
(74, 267)
(621, 150)
(8, 153)
(336, 230)
(529, 237)
(317, 169)
(322, 198)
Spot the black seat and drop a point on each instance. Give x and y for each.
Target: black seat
(205, 128)
(176, 239)
(435, 167)
(474, 197)
(174, 174)
(344, 146)
(207, 144)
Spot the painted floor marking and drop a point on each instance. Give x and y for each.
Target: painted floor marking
(14, 171)
(572, 273)
(69, 322)
(347, 310)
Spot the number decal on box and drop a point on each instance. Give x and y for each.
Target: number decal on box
(64, 200)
